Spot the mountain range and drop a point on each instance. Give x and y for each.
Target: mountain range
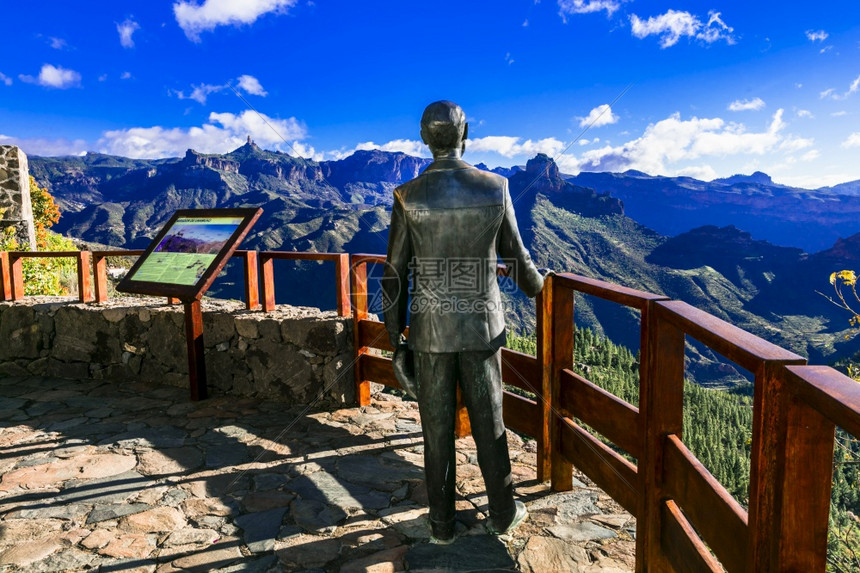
(742, 248)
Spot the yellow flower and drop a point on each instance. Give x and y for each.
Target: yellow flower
(847, 277)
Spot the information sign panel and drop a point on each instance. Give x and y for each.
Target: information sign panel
(189, 252)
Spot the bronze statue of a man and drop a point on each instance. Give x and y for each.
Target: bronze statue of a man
(449, 226)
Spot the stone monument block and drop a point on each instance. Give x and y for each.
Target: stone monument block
(15, 208)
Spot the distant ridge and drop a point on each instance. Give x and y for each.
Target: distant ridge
(757, 177)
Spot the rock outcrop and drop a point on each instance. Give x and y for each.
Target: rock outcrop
(15, 208)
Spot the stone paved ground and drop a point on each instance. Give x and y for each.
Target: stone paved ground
(98, 476)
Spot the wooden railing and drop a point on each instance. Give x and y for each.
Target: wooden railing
(95, 288)
(687, 521)
(341, 262)
(12, 273)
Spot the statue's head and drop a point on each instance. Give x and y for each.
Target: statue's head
(444, 127)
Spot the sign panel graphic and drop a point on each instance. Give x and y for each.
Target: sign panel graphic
(189, 252)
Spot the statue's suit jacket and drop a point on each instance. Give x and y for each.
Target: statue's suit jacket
(449, 226)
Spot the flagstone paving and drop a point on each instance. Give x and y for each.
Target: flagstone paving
(135, 478)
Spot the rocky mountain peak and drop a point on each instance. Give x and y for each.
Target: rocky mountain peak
(541, 176)
(216, 162)
(544, 166)
(757, 177)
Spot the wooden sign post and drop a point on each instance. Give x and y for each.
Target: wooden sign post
(182, 262)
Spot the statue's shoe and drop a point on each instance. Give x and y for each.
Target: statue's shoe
(519, 515)
(438, 541)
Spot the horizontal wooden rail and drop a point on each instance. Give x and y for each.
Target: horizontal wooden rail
(736, 344)
(833, 394)
(521, 371)
(611, 472)
(718, 518)
(341, 261)
(683, 548)
(521, 414)
(606, 413)
(607, 291)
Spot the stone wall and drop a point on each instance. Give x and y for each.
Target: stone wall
(15, 208)
(296, 354)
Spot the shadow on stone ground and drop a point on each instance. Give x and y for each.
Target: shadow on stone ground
(105, 477)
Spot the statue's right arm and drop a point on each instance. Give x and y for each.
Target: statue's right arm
(395, 279)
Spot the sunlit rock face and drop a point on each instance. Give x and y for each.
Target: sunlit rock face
(15, 208)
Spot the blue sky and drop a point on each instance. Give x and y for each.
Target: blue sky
(712, 89)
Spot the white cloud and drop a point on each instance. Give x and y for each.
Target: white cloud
(805, 113)
(306, 151)
(126, 30)
(199, 93)
(700, 172)
(407, 146)
(57, 43)
(825, 49)
(754, 104)
(673, 140)
(506, 146)
(251, 85)
(853, 140)
(832, 93)
(508, 59)
(5, 80)
(601, 115)
(221, 134)
(526, 23)
(41, 146)
(839, 113)
(810, 155)
(195, 18)
(54, 77)
(817, 35)
(675, 24)
(791, 144)
(512, 146)
(570, 7)
(125, 76)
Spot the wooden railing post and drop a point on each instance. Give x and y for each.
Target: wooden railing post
(661, 402)
(561, 327)
(344, 308)
(100, 277)
(790, 478)
(268, 282)
(252, 281)
(85, 284)
(358, 276)
(195, 349)
(16, 262)
(5, 277)
(543, 306)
